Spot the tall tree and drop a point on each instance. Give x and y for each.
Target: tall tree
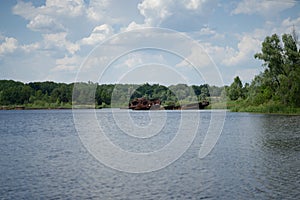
(235, 91)
(282, 61)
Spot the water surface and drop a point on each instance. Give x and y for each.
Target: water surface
(41, 156)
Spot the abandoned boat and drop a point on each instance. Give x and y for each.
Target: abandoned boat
(144, 104)
(155, 104)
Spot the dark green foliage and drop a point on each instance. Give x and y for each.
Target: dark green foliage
(281, 79)
(44, 87)
(12, 92)
(104, 94)
(235, 91)
(277, 89)
(17, 93)
(51, 94)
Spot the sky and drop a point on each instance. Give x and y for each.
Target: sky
(135, 41)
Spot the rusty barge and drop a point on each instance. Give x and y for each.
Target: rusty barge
(155, 104)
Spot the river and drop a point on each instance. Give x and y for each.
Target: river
(42, 156)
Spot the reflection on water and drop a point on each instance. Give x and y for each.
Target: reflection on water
(256, 157)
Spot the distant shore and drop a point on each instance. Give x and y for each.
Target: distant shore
(233, 106)
(31, 108)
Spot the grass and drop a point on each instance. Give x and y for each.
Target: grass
(269, 108)
(244, 106)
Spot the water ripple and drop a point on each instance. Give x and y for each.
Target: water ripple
(256, 157)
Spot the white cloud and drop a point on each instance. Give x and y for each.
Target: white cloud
(193, 4)
(133, 25)
(250, 43)
(151, 73)
(99, 34)
(209, 55)
(70, 28)
(207, 32)
(9, 45)
(50, 17)
(176, 14)
(67, 63)
(287, 26)
(66, 7)
(246, 75)
(133, 61)
(247, 47)
(44, 23)
(264, 7)
(25, 9)
(96, 9)
(279, 27)
(31, 47)
(58, 40)
(155, 11)
(217, 53)
(197, 57)
(291, 22)
(136, 59)
(113, 12)
(52, 8)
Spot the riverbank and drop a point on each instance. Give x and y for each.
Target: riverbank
(50, 106)
(22, 107)
(265, 108)
(233, 106)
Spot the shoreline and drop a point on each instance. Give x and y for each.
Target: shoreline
(70, 108)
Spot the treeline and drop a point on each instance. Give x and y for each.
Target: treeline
(39, 94)
(52, 95)
(277, 88)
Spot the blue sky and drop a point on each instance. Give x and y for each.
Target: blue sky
(49, 40)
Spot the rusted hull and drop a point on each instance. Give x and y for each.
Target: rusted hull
(193, 106)
(145, 104)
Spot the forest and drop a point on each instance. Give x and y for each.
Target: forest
(275, 90)
(59, 95)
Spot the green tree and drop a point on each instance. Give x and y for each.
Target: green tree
(280, 80)
(235, 90)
